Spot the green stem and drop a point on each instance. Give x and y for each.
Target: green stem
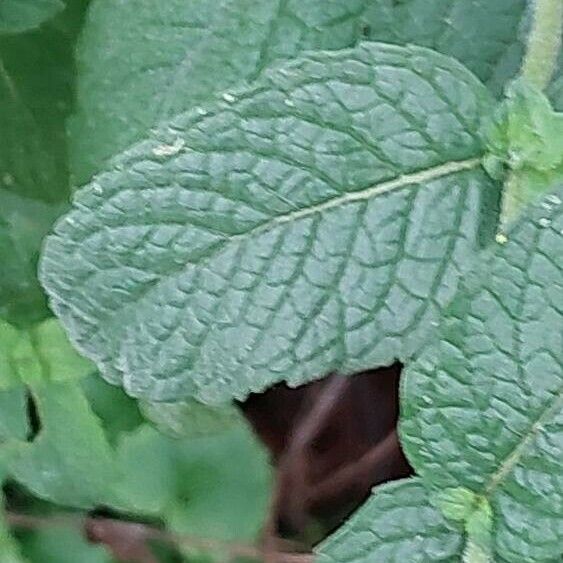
(510, 204)
(544, 42)
(540, 61)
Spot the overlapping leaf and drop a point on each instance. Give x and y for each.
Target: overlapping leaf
(22, 15)
(483, 408)
(140, 63)
(36, 72)
(398, 523)
(317, 221)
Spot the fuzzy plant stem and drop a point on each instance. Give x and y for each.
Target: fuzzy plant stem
(544, 43)
(540, 61)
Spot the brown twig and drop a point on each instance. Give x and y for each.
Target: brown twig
(131, 533)
(361, 472)
(292, 468)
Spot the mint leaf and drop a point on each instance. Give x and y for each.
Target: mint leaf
(193, 484)
(487, 37)
(190, 418)
(62, 545)
(13, 419)
(22, 15)
(398, 523)
(36, 72)
(137, 68)
(316, 222)
(41, 353)
(483, 407)
(69, 461)
(216, 497)
(131, 79)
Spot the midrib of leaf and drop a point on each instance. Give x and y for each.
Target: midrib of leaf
(411, 180)
(521, 446)
(513, 458)
(404, 181)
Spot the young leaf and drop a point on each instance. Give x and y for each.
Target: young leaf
(69, 461)
(140, 64)
(13, 420)
(398, 523)
(41, 353)
(22, 15)
(315, 222)
(527, 138)
(483, 407)
(193, 484)
(216, 497)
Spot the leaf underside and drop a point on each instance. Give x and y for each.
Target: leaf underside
(315, 222)
(483, 408)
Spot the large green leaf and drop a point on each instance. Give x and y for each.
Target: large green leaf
(397, 524)
(316, 221)
(140, 63)
(36, 74)
(22, 15)
(483, 407)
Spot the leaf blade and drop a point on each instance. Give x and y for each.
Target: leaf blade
(492, 390)
(397, 521)
(275, 172)
(192, 54)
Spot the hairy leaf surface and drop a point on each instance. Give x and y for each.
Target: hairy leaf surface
(315, 222)
(483, 408)
(396, 524)
(140, 63)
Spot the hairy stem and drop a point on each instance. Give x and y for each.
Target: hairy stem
(542, 52)
(544, 43)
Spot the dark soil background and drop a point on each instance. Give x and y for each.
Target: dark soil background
(331, 441)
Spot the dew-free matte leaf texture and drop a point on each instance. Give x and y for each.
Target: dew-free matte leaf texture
(69, 461)
(62, 545)
(487, 37)
(22, 15)
(483, 408)
(39, 354)
(140, 63)
(35, 98)
(190, 418)
(9, 549)
(317, 221)
(396, 524)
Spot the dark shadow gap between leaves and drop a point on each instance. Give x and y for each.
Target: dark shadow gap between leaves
(330, 441)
